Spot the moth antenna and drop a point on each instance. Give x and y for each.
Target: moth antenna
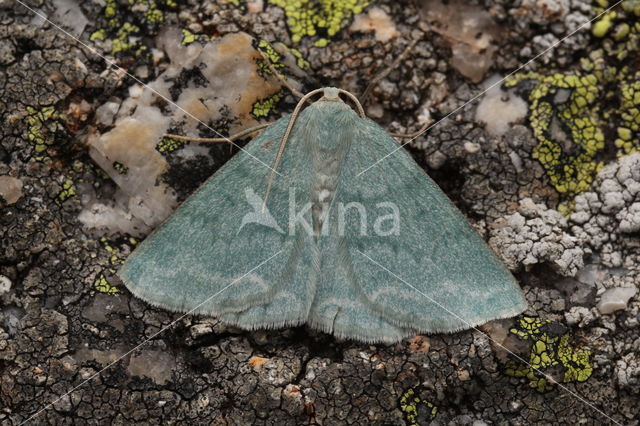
(386, 71)
(229, 139)
(285, 137)
(281, 77)
(355, 101)
(415, 134)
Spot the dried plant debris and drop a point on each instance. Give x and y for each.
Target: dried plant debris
(545, 167)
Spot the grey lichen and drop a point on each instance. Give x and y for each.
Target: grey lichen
(536, 234)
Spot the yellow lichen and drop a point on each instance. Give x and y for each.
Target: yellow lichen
(43, 123)
(264, 107)
(571, 164)
(102, 285)
(411, 405)
(549, 348)
(570, 113)
(68, 191)
(322, 18)
(188, 37)
(114, 252)
(273, 56)
(167, 145)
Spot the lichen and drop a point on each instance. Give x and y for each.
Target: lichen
(125, 24)
(102, 285)
(114, 252)
(571, 113)
(43, 123)
(300, 60)
(411, 406)
(168, 145)
(188, 37)
(68, 191)
(571, 164)
(273, 56)
(120, 168)
(264, 107)
(323, 18)
(550, 347)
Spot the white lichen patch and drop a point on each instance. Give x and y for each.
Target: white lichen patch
(229, 87)
(536, 234)
(375, 20)
(606, 217)
(498, 108)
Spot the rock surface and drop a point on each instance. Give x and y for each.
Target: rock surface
(76, 347)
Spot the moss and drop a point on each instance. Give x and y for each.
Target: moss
(265, 107)
(167, 145)
(415, 409)
(550, 349)
(318, 18)
(102, 285)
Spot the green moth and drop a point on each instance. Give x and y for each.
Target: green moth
(374, 256)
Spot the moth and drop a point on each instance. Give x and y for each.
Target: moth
(344, 233)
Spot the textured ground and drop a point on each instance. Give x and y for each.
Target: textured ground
(547, 169)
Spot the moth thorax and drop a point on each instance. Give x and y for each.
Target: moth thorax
(324, 187)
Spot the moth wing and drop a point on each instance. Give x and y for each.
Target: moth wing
(434, 273)
(219, 253)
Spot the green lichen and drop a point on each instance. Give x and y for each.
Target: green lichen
(43, 123)
(68, 191)
(168, 145)
(126, 38)
(415, 408)
(188, 37)
(264, 107)
(550, 349)
(300, 61)
(102, 285)
(602, 26)
(128, 21)
(571, 163)
(100, 35)
(578, 116)
(114, 252)
(321, 18)
(152, 14)
(120, 168)
(628, 140)
(273, 56)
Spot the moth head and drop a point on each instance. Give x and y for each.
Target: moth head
(331, 94)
